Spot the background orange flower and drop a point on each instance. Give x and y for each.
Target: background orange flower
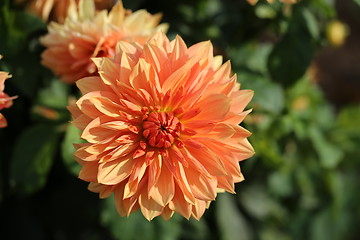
(5, 100)
(87, 33)
(161, 125)
(56, 10)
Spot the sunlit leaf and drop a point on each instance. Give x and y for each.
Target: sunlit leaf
(269, 96)
(72, 136)
(329, 154)
(32, 158)
(55, 95)
(232, 224)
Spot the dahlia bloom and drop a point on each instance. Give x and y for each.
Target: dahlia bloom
(87, 34)
(161, 125)
(56, 10)
(5, 100)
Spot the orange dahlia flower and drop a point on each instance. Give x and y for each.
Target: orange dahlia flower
(5, 100)
(162, 128)
(87, 33)
(56, 10)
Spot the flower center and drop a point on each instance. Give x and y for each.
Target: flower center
(161, 129)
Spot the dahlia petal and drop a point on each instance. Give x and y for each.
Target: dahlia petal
(201, 50)
(233, 118)
(106, 106)
(3, 122)
(229, 158)
(117, 14)
(122, 209)
(131, 107)
(157, 58)
(149, 207)
(178, 51)
(86, 106)
(110, 73)
(204, 160)
(136, 20)
(89, 171)
(86, 9)
(180, 205)
(114, 172)
(240, 100)
(227, 183)
(178, 77)
(89, 84)
(222, 131)
(117, 125)
(154, 171)
(182, 182)
(163, 190)
(143, 76)
(104, 190)
(135, 178)
(131, 204)
(198, 209)
(132, 50)
(218, 60)
(203, 188)
(84, 155)
(224, 70)
(125, 150)
(167, 213)
(94, 133)
(81, 122)
(220, 107)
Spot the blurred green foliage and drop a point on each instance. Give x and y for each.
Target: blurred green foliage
(303, 182)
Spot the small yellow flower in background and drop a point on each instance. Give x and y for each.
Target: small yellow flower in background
(336, 33)
(87, 34)
(5, 100)
(162, 128)
(56, 10)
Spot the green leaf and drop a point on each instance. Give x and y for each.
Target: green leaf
(328, 227)
(253, 56)
(311, 23)
(265, 11)
(291, 56)
(55, 95)
(259, 204)
(280, 183)
(231, 222)
(137, 227)
(21, 48)
(357, 2)
(72, 135)
(329, 154)
(17, 25)
(32, 158)
(269, 96)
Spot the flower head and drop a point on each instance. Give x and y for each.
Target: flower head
(161, 125)
(5, 100)
(56, 10)
(87, 34)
